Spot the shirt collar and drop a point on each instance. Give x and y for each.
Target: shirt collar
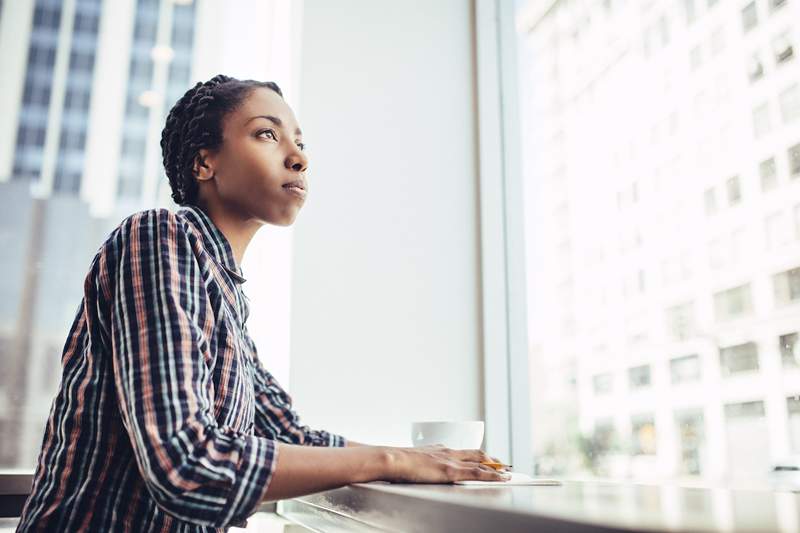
(215, 241)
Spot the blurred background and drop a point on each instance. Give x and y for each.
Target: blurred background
(662, 174)
(659, 163)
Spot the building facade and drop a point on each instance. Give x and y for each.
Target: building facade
(663, 196)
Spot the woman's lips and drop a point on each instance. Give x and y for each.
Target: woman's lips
(296, 191)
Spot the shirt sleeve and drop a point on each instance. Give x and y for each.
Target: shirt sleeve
(194, 469)
(275, 417)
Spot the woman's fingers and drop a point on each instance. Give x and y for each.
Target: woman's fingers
(484, 473)
(475, 456)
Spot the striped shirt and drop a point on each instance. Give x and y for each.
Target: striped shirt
(165, 419)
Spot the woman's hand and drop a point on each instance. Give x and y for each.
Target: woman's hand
(438, 464)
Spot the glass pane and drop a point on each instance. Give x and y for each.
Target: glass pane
(661, 157)
(51, 228)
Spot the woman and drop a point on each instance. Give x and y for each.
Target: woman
(166, 420)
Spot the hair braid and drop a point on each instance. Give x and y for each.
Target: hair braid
(195, 122)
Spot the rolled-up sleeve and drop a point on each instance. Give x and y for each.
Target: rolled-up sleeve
(194, 469)
(275, 418)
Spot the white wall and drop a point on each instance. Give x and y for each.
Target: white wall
(385, 314)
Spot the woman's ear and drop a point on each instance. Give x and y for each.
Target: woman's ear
(203, 168)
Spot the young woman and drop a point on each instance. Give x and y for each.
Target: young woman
(166, 419)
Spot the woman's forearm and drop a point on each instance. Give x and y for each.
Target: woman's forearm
(302, 470)
(354, 444)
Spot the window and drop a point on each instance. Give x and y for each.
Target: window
(793, 411)
(790, 103)
(602, 383)
(744, 410)
(761, 121)
(774, 5)
(696, 57)
(755, 68)
(790, 349)
(749, 17)
(685, 369)
(47, 17)
(710, 201)
(733, 303)
(794, 160)
(680, 321)
(747, 436)
(739, 358)
(787, 286)
(715, 195)
(663, 30)
(782, 48)
(86, 22)
(776, 230)
(734, 191)
(643, 434)
(718, 41)
(639, 376)
(768, 174)
(691, 433)
(689, 11)
(796, 211)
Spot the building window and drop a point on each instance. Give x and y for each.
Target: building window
(744, 410)
(733, 303)
(680, 321)
(691, 430)
(794, 160)
(718, 41)
(639, 376)
(793, 410)
(782, 48)
(790, 349)
(602, 383)
(48, 17)
(711, 201)
(790, 103)
(797, 222)
(685, 369)
(696, 57)
(738, 358)
(734, 190)
(755, 69)
(761, 121)
(768, 173)
(86, 22)
(690, 11)
(749, 17)
(774, 5)
(776, 230)
(787, 286)
(643, 434)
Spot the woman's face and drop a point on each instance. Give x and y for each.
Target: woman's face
(259, 156)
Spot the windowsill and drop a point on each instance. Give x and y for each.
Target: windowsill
(575, 506)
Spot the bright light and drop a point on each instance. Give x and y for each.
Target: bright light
(149, 98)
(162, 53)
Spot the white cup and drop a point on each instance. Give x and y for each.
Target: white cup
(455, 435)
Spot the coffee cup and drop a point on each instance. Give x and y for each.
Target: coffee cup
(467, 435)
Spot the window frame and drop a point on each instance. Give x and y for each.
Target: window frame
(506, 396)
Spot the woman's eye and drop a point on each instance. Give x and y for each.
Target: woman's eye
(268, 131)
(302, 146)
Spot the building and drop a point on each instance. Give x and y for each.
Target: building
(88, 85)
(663, 196)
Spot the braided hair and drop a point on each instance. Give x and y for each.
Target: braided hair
(195, 122)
